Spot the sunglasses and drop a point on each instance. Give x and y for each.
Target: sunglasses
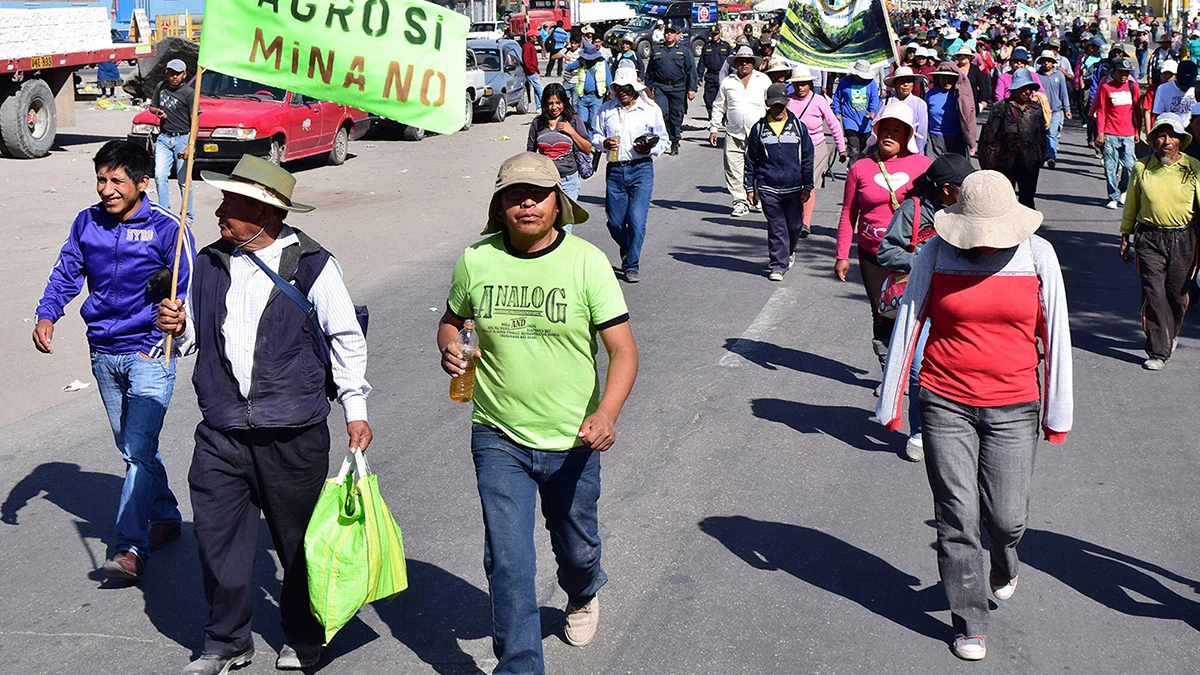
(518, 194)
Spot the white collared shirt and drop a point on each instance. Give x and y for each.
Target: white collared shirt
(644, 117)
(739, 106)
(246, 299)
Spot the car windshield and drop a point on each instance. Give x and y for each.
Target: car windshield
(483, 27)
(644, 22)
(219, 85)
(489, 59)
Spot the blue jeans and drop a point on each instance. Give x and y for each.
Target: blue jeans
(914, 372)
(136, 392)
(166, 155)
(535, 81)
(588, 109)
(1056, 125)
(1118, 164)
(980, 465)
(626, 206)
(570, 185)
(510, 479)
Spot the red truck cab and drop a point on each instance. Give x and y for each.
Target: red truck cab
(541, 13)
(240, 116)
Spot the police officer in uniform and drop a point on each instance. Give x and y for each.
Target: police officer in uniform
(670, 73)
(712, 58)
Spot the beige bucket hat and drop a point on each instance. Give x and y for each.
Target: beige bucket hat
(530, 168)
(987, 215)
(259, 180)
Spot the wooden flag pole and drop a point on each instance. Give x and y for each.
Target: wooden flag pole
(187, 193)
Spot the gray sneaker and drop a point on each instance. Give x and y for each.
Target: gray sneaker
(581, 621)
(216, 664)
(298, 657)
(969, 648)
(632, 276)
(914, 450)
(1154, 364)
(775, 275)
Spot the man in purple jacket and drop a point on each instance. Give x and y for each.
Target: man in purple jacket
(124, 248)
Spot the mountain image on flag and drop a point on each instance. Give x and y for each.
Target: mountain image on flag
(832, 34)
(399, 59)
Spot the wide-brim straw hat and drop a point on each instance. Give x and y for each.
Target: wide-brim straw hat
(627, 77)
(802, 73)
(530, 168)
(777, 65)
(896, 110)
(987, 215)
(744, 53)
(259, 180)
(901, 73)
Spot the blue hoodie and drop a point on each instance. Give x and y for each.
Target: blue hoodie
(117, 259)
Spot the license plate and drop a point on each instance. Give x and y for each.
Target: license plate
(41, 62)
(210, 147)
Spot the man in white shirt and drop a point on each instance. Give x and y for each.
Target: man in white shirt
(629, 175)
(265, 358)
(741, 101)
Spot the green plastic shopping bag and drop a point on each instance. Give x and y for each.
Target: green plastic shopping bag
(353, 546)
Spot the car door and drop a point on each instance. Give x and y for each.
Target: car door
(514, 74)
(304, 128)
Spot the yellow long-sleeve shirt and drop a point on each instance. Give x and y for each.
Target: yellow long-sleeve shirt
(1160, 194)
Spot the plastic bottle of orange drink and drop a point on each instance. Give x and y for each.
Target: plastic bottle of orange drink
(462, 387)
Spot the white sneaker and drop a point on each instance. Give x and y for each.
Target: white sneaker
(740, 209)
(1121, 201)
(969, 648)
(1112, 204)
(791, 260)
(1154, 364)
(775, 276)
(914, 450)
(1002, 589)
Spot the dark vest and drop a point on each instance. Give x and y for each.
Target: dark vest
(288, 381)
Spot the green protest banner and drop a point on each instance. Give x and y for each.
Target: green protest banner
(400, 59)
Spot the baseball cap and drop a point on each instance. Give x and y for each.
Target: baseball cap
(177, 65)
(1122, 63)
(673, 29)
(777, 94)
(1170, 66)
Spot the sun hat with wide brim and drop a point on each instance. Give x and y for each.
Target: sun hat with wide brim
(744, 52)
(1021, 79)
(1177, 125)
(987, 215)
(1047, 55)
(627, 77)
(802, 73)
(777, 65)
(946, 69)
(896, 110)
(861, 69)
(259, 180)
(901, 73)
(530, 168)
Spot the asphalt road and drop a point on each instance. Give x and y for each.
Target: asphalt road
(755, 519)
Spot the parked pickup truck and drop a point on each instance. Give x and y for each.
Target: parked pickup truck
(239, 116)
(696, 20)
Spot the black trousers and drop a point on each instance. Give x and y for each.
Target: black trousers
(551, 63)
(873, 275)
(1025, 182)
(856, 146)
(1166, 262)
(234, 476)
(673, 103)
(711, 87)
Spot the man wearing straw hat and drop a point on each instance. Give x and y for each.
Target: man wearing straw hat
(741, 102)
(123, 247)
(265, 354)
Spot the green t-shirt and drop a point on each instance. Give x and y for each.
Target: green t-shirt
(537, 316)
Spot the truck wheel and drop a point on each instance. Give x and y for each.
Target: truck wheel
(28, 120)
(501, 109)
(525, 103)
(697, 48)
(275, 153)
(643, 49)
(413, 133)
(470, 118)
(341, 146)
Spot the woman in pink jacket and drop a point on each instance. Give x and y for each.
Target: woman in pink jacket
(875, 187)
(814, 113)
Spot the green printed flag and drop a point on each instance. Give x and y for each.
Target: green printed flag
(832, 34)
(400, 59)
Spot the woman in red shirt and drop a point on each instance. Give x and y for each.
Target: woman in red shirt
(875, 187)
(989, 288)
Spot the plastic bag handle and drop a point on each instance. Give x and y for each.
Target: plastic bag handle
(359, 462)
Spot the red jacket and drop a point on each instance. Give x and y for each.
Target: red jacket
(529, 58)
(1115, 108)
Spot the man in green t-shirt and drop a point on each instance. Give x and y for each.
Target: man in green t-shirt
(539, 297)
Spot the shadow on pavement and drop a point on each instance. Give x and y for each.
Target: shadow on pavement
(1107, 576)
(773, 357)
(835, 566)
(852, 426)
(438, 611)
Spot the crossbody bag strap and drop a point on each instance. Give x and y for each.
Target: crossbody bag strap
(887, 180)
(310, 310)
(916, 225)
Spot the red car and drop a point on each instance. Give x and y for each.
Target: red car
(239, 117)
